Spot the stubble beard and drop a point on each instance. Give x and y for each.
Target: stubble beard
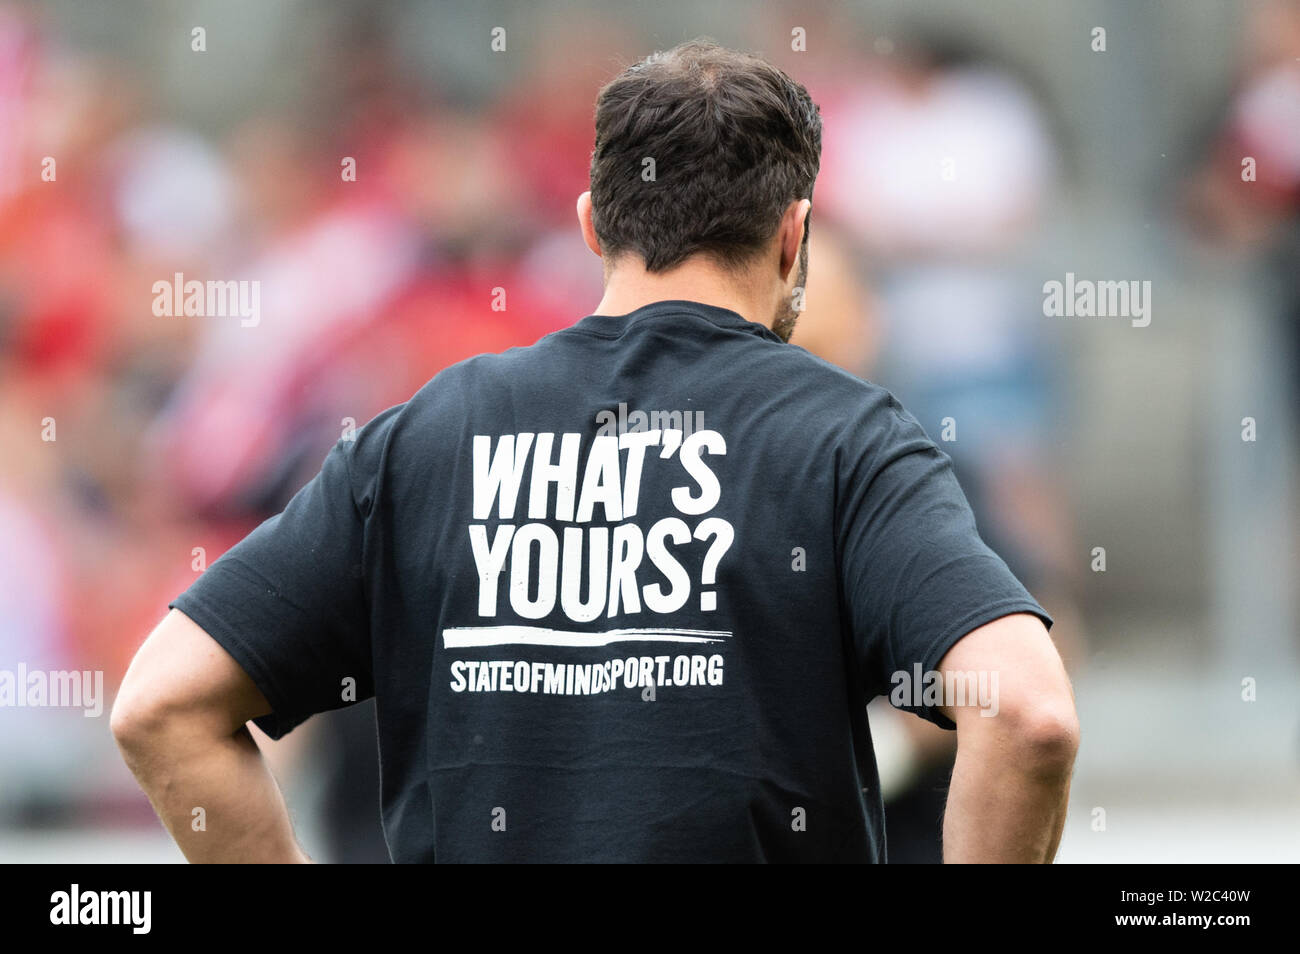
(787, 315)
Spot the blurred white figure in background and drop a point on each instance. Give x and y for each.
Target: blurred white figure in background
(940, 165)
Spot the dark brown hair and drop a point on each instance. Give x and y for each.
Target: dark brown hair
(734, 141)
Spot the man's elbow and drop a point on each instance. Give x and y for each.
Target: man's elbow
(138, 717)
(151, 712)
(1053, 739)
(1036, 737)
(1045, 736)
(182, 695)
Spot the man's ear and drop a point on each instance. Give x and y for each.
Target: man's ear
(791, 230)
(584, 222)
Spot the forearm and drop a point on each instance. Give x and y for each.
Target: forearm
(243, 816)
(1006, 802)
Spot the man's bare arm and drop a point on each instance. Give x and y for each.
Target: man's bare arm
(1011, 782)
(180, 720)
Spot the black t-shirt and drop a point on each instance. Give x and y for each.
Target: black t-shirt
(622, 596)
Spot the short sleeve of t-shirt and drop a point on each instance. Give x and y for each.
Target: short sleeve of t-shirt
(288, 601)
(916, 575)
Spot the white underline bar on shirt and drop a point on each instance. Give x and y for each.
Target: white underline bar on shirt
(464, 637)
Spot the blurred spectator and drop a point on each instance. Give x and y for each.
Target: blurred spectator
(938, 163)
(1242, 202)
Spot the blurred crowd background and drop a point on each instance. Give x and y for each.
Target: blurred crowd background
(972, 153)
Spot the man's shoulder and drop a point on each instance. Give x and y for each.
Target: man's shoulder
(822, 388)
(830, 376)
(509, 363)
(457, 382)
